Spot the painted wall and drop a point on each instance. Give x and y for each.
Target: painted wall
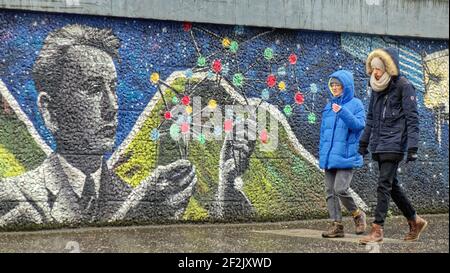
(118, 112)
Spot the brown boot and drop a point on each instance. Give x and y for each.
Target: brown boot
(375, 235)
(415, 228)
(335, 230)
(360, 221)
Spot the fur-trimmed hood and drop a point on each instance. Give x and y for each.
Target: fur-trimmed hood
(389, 56)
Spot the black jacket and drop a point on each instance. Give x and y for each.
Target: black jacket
(392, 121)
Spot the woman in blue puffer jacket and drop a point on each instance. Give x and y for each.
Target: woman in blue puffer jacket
(342, 125)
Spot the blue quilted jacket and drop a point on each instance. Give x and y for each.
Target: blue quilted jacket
(340, 132)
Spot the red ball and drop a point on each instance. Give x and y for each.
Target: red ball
(228, 125)
(167, 115)
(292, 59)
(185, 127)
(271, 80)
(185, 100)
(187, 26)
(217, 66)
(264, 136)
(299, 98)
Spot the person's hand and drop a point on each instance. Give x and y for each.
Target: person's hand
(234, 161)
(237, 149)
(363, 148)
(164, 194)
(336, 107)
(412, 156)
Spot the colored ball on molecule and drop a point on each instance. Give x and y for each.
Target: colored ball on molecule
(201, 61)
(189, 73)
(154, 78)
(154, 134)
(234, 46)
(271, 80)
(225, 69)
(226, 43)
(217, 131)
(268, 53)
(201, 138)
(311, 118)
(212, 104)
(185, 100)
(287, 110)
(265, 94)
(238, 79)
(187, 26)
(299, 99)
(188, 109)
(313, 88)
(217, 66)
(175, 100)
(282, 86)
(281, 71)
(167, 115)
(228, 125)
(292, 59)
(174, 131)
(264, 136)
(180, 119)
(185, 127)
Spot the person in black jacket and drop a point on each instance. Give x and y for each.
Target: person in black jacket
(392, 129)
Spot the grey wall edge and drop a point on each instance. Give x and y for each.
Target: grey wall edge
(410, 18)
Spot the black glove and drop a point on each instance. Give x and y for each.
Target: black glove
(363, 148)
(412, 155)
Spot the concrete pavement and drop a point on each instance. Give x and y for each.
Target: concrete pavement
(296, 236)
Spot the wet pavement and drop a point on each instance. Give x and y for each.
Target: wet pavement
(295, 236)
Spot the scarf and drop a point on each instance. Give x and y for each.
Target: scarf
(381, 84)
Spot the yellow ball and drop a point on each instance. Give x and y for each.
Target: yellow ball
(212, 104)
(188, 109)
(282, 86)
(154, 78)
(226, 42)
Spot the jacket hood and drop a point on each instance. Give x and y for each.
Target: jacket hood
(346, 78)
(390, 58)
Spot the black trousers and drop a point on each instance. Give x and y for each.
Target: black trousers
(389, 187)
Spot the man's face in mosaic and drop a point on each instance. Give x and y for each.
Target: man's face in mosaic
(86, 103)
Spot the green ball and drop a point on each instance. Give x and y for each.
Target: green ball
(201, 61)
(202, 139)
(312, 118)
(234, 46)
(287, 110)
(175, 131)
(238, 79)
(268, 53)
